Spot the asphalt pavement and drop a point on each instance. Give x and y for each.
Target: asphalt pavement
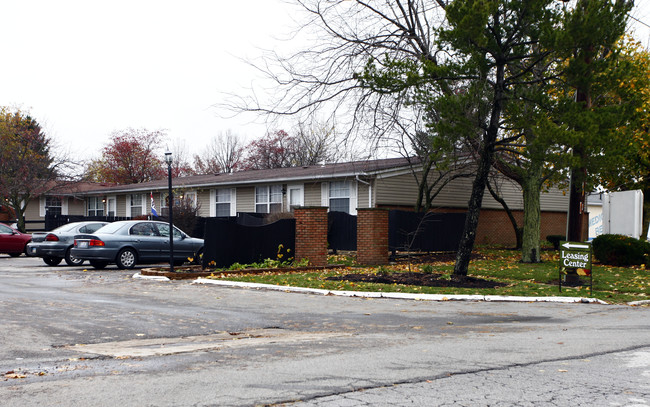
(74, 336)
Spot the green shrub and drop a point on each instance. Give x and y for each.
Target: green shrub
(427, 269)
(555, 240)
(619, 250)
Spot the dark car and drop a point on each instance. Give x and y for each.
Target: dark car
(12, 241)
(55, 246)
(130, 242)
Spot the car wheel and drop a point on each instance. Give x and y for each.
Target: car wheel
(52, 261)
(98, 264)
(126, 259)
(15, 254)
(71, 260)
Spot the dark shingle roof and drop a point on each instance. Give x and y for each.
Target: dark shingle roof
(315, 172)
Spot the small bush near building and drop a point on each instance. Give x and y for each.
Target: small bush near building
(555, 240)
(619, 250)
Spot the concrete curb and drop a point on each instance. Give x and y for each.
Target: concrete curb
(401, 296)
(157, 278)
(637, 303)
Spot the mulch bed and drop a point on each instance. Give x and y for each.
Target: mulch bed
(437, 257)
(420, 279)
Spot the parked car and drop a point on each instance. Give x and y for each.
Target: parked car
(130, 242)
(12, 241)
(55, 246)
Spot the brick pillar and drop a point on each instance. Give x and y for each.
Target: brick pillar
(311, 235)
(372, 236)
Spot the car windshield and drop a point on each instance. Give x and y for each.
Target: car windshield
(110, 228)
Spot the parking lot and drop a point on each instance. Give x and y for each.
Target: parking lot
(79, 336)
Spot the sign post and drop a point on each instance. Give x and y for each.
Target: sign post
(576, 256)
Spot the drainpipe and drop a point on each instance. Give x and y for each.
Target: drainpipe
(369, 189)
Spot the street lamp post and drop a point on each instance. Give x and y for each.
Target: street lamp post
(170, 205)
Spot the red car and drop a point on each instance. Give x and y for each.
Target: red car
(12, 241)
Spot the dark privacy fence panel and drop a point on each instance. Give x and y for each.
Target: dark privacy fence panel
(227, 242)
(341, 231)
(427, 232)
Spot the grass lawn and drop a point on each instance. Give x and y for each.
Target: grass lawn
(610, 284)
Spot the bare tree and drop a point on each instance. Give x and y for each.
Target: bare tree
(223, 154)
(314, 144)
(181, 166)
(447, 69)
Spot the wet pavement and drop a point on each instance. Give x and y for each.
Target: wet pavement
(78, 336)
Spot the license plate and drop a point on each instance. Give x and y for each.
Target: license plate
(33, 249)
(83, 245)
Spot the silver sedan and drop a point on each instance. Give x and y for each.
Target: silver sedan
(131, 242)
(55, 245)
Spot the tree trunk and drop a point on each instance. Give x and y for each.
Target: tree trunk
(466, 244)
(530, 249)
(484, 164)
(19, 210)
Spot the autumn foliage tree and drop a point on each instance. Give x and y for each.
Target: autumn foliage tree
(27, 165)
(131, 156)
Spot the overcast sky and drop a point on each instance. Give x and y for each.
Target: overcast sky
(86, 68)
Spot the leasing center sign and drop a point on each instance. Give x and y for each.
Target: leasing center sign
(575, 255)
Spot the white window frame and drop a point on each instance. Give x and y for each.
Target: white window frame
(129, 210)
(271, 194)
(99, 206)
(352, 192)
(233, 201)
(42, 208)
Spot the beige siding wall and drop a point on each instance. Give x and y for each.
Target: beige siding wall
(312, 194)
(32, 212)
(120, 202)
(245, 199)
(362, 195)
(203, 199)
(76, 207)
(396, 190)
(402, 190)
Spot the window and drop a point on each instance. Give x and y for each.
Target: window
(95, 206)
(223, 201)
(135, 205)
(339, 196)
(180, 199)
(164, 204)
(91, 227)
(53, 205)
(144, 229)
(163, 229)
(268, 199)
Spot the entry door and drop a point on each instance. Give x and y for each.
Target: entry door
(295, 196)
(111, 207)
